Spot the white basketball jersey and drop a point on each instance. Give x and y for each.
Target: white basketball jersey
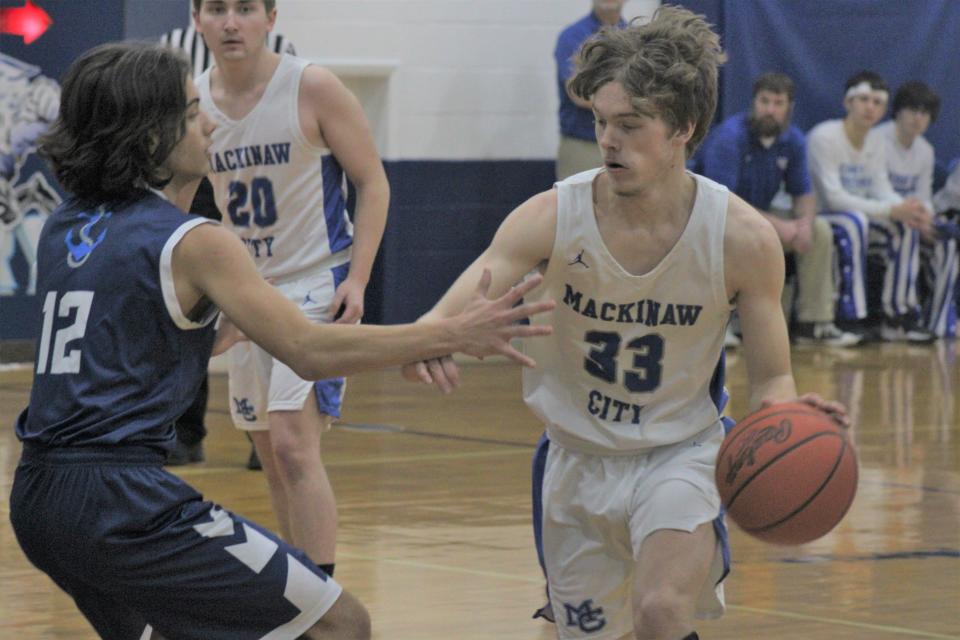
(284, 197)
(634, 361)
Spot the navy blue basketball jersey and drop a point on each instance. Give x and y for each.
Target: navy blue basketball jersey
(117, 359)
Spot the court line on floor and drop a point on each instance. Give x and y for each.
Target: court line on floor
(400, 430)
(525, 447)
(195, 470)
(755, 610)
(903, 485)
(425, 457)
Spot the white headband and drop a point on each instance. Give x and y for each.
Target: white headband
(864, 89)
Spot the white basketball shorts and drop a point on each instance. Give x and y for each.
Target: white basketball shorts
(259, 383)
(597, 511)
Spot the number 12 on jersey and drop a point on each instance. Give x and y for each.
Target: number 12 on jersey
(61, 359)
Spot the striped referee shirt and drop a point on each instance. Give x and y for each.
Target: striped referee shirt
(188, 40)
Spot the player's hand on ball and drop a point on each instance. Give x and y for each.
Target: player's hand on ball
(836, 410)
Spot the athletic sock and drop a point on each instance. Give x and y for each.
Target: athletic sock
(328, 569)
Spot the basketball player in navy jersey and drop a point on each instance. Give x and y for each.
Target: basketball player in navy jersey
(130, 287)
(646, 262)
(288, 135)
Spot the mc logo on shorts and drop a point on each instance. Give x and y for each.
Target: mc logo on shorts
(245, 409)
(585, 616)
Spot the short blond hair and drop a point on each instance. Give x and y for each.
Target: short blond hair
(668, 66)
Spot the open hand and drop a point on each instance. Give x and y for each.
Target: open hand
(485, 327)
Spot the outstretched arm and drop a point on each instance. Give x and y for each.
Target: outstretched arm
(210, 261)
(523, 241)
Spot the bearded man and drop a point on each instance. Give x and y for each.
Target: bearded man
(753, 153)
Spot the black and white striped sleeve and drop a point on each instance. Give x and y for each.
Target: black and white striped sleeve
(192, 43)
(278, 43)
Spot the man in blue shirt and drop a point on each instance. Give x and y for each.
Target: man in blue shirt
(578, 144)
(753, 153)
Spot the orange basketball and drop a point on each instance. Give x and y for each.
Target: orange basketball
(787, 474)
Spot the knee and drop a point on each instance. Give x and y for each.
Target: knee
(822, 230)
(357, 627)
(659, 613)
(292, 457)
(347, 619)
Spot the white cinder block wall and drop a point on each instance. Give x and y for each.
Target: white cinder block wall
(445, 79)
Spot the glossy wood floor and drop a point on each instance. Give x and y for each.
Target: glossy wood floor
(435, 532)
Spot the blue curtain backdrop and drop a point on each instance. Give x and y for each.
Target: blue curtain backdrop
(820, 43)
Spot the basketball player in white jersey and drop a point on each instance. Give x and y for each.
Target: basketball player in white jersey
(646, 262)
(288, 135)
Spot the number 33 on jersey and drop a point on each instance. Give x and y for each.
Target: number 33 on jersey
(635, 361)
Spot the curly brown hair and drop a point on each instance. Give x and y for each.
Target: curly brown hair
(122, 111)
(668, 66)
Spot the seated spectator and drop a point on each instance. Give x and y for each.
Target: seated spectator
(946, 204)
(753, 153)
(849, 171)
(946, 201)
(910, 163)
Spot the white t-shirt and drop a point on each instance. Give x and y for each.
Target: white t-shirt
(848, 179)
(910, 170)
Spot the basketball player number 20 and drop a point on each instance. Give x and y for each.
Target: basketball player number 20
(260, 196)
(61, 360)
(647, 353)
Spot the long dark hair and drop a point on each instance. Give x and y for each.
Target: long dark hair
(122, 111)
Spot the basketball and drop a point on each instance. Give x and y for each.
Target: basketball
(787, 473)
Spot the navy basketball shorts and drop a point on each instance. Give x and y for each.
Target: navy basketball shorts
(139, 550)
